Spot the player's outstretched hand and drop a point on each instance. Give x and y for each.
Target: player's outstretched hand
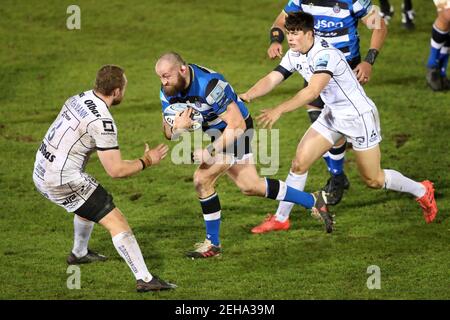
(155, 155)
(268, 117)
(275, 50)
(363, 72)
(183, 120)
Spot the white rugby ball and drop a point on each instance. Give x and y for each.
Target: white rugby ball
(171, 111)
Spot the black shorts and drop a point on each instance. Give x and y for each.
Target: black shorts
(318, 102)
(97, 206)
(243, 145)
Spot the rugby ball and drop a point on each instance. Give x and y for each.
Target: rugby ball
(171, 111)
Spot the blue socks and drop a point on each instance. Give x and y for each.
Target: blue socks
(211, 214)
(278, 190)
(438, 39)
(335, 159)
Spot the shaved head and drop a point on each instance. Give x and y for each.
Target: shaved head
(172, 59)
(173, 72)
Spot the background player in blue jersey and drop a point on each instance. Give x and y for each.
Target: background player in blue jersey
(230, 152)
(439, 52)
(408, 15)
(337, 22)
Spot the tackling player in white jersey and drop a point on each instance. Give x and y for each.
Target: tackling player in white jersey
(337, 22)
(85, 125)
(348, 112)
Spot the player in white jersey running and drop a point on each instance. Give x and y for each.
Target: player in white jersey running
(337, 22)
(85, 125)
(348, 112)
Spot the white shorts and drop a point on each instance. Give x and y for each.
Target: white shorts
(70, 196)
(363, 132)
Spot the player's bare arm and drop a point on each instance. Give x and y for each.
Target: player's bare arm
(167, 130)
(276, 34)
(303, 97)
(115, 167)
(373, 21)
(263, 86)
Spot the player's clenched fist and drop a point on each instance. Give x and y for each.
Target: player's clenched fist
(154, 156)
(275, 50)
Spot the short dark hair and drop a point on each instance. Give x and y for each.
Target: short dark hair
(300, 20)
(109, 78)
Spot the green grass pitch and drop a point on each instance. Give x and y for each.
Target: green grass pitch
(42, 63)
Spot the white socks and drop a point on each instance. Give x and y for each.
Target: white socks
(128, 248)
(394, 180)
(82, 233)
(297, 182)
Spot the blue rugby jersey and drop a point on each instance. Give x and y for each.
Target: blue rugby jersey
(210, 94)
(336, 21)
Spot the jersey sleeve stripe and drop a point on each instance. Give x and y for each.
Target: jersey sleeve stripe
(110, 148)
(286, 73)
(324, 71)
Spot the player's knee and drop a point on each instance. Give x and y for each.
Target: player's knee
(374, 183)
(198, 179)
(298, 166)
(201, 181)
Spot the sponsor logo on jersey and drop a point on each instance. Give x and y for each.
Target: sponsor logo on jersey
(322, 62)
(373, 136)
(330, 34)
(217, 93)
(47, 155)
(108, 126)
(322, 23)
(79, 109)
(69, 199)
(360, 140)
(85, 189)
(336, 8)
(91, 106)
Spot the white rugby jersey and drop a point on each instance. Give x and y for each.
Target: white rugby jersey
(83, 125)
(343, 94)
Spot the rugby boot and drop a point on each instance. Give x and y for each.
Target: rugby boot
(427, 202)
(271, 224)
(434, 79)
(445, 83)
(156, 284)
(204, 250)
(320, 210)
(90, 257)
(335, 188)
